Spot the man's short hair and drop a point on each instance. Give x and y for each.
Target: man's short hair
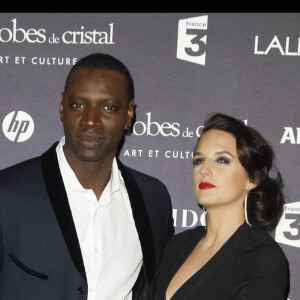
(105, 61)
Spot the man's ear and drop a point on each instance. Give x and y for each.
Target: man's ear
(130, 113)
(61, 107)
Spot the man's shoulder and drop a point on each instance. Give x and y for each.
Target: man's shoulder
(141, 177)
(21, 166)
(19, 177)
(28, 167)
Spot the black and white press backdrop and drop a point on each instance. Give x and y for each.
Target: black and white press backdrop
(185, 66)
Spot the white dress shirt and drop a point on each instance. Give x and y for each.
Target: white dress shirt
(106, 231)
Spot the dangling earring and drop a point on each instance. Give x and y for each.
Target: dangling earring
(205, 216)
(245, 204)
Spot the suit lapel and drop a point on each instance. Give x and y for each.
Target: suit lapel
(141, 220)
(59, 201)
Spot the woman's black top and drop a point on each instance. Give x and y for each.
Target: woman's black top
(249, 266)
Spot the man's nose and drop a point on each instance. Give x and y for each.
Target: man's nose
(91, 118)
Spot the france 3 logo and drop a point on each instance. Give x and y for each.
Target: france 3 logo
(18, 126)
(288, 228)
(191, 41)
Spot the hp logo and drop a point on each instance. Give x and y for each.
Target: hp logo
(18, 126)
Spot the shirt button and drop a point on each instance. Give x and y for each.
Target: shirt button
(80, 290)
(97, 250)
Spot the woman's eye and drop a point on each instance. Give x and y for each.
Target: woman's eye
(223, 160)
(198, 161)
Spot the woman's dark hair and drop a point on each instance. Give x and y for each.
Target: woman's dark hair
(105, 61)
(265, 201)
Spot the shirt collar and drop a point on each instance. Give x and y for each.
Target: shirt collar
(70, 180)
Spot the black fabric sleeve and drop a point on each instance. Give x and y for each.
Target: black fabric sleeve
(264, 273)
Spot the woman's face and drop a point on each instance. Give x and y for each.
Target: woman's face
(219, 178)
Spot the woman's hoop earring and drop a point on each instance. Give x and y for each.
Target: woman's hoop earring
(205, 216)
(246, 215)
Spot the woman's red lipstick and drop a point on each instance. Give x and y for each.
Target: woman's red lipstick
(205, 185)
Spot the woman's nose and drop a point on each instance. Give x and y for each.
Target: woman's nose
(205, 168)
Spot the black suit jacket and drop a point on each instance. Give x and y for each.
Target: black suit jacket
(40, 256)
(249, 266)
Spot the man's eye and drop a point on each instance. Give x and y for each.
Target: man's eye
(198, 161)
(77, 105)
(109, 108)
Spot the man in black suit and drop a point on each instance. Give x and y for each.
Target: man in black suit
(76, 223)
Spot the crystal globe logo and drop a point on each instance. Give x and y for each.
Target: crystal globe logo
(18, 126)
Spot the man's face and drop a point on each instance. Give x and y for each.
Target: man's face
(94, 111)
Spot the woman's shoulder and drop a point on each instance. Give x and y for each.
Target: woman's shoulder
(256, 235)
(259, 267)
(260, 245)
(188, 235)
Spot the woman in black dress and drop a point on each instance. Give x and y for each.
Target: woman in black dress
(233, 256)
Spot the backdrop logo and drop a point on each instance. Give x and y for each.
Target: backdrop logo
(286, 47)
(291, 136)
(186, 218)
(150, 127)
(288, 228)
(17, 34)
(191, 42)
(18, 126)
(153, 128)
